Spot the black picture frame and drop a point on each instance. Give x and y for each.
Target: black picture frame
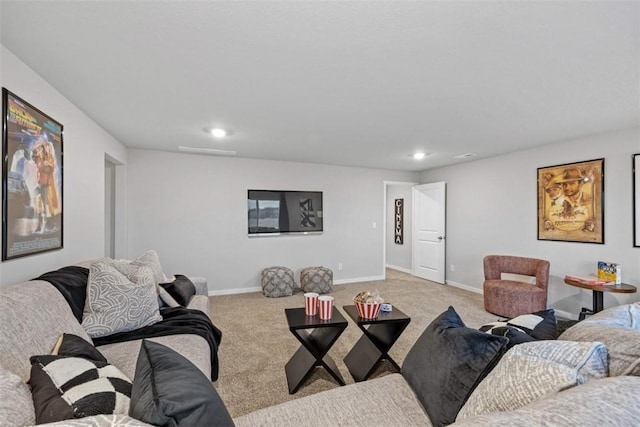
(32, 179)
(571, 202)
(635, 167)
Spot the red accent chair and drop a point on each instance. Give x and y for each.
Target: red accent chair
(511, 298)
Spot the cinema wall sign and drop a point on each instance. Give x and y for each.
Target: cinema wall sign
(399, 228)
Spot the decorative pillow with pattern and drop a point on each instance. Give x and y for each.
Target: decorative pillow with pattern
(177, 293)
(148, 259)
(116, 304)
(540, 325)
(72, 387)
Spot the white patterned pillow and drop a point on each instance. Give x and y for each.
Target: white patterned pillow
(116, 304)
(530, 371)
(75, 387)
(148, 259)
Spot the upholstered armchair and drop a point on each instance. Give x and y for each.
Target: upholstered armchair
(511, 298)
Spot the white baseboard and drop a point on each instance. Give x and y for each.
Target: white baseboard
(357, 280)
(402, 269)
(235, 291)
(465, 287)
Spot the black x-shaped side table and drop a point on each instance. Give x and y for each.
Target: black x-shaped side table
(378, 337)
(317, 336)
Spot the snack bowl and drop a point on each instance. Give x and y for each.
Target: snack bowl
(368, 310)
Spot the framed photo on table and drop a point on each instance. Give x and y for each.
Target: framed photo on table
(32, 179)
(571, 202)
(636, 200)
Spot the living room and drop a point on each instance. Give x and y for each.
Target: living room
(192, 210)
(517, 87)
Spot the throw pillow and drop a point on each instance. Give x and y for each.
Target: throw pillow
(533, 370)
(72, 387)
(540, 325)
(170, 390)
(16, 405)
(178, 292)
(149, 259)
(446, 364)
(73, 346)
(115, 304)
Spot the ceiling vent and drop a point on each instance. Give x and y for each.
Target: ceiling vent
(209, 151)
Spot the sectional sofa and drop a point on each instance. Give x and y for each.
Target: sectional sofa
(588, 377)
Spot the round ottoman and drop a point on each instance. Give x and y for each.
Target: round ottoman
(277, 282)
(316, 279)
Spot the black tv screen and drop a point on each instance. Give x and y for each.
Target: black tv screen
(272, 212)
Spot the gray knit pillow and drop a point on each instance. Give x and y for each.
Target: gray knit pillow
(116, 304)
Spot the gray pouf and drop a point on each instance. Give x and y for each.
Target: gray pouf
(277, 282)
(316, 279)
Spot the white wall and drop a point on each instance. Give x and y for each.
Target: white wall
(399, 256)
(193, 211)
(492, 209)
(85, 146)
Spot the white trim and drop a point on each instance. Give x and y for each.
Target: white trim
(235, 291)
(402, 269)
(465, 287)
(358, 280)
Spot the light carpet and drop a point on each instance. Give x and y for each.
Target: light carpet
(256, 341)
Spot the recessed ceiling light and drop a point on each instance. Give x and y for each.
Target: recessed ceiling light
(218, 132)
(419, 156)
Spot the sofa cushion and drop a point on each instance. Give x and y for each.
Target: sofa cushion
(178, 292)
(170, 390)
(16, 405)
(540, 325)
(619, 329)
(22, 336)
(73, 387)
(116, 304)
(383, 401)
(533, 370)
(447, 362)
(609, 401)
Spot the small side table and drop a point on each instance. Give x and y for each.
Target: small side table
(317, 336)
(378, 337)
(598, 295)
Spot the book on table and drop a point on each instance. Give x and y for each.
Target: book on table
(609, 271)
(588, 280)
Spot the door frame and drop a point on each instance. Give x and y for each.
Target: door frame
(384, 220)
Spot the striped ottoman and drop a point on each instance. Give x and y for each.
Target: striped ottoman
(316, 279)
(277, 282)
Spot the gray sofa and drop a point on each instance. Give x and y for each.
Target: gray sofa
(33, 316)
(545, 383)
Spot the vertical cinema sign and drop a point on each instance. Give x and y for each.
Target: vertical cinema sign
(399, 228)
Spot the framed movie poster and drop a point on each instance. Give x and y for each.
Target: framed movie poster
(571, 202)
(31, 181)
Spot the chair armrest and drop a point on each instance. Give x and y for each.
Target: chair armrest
(201, 285)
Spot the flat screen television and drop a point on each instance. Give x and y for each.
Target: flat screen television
(274, 212)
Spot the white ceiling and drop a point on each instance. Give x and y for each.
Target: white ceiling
(357, 83)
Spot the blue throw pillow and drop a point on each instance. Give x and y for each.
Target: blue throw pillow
(446, 364)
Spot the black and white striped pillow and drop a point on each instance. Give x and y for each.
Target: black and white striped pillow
(74, 387)
(540, 325)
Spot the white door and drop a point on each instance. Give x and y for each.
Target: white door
(428, 231)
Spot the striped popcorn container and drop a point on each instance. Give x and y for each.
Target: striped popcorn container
(311, 303)
(369, 310)
(325, 307)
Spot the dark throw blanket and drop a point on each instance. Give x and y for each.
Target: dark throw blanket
(71, 281)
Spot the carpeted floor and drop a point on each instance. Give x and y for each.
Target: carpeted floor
(256, 342)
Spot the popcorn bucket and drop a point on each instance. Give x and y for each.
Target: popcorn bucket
(325, 307)
(311, 303)
(368, 310)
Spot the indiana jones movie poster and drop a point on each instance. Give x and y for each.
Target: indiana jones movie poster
(570, 202)
(32, 179)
